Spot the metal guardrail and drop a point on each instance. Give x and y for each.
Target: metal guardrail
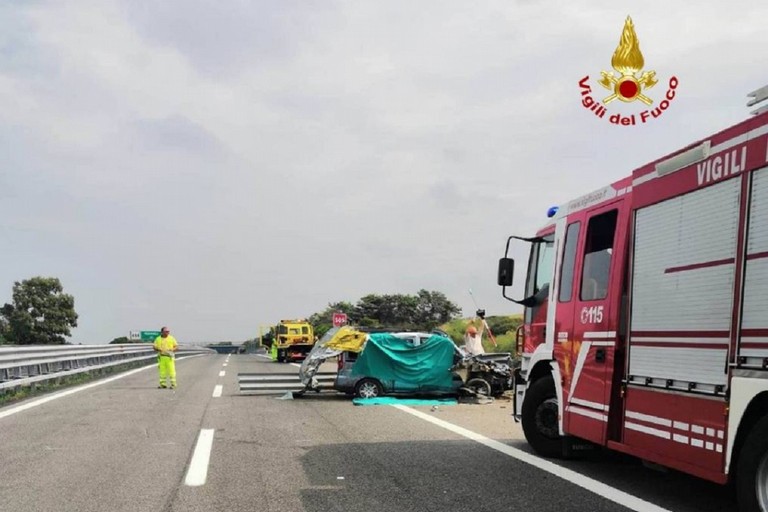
(22, 365)
(271, 383)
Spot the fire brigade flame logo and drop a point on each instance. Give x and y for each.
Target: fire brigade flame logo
(628, 85)
(628, 60)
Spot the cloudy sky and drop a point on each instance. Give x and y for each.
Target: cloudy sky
(218, 165)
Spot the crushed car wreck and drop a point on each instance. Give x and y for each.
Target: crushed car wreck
(374, 364)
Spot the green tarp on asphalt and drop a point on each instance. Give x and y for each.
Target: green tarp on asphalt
(399, 365)
(390, 400)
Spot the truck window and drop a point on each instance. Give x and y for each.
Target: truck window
(540, 266)
(597, 256)
(569, 262)
(540, 269)
(305, 330)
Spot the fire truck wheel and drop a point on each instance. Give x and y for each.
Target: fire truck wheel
(540, 423)
(752, 470)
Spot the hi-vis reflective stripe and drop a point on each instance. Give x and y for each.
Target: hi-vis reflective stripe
(599, 334)
(587, 403)
(647, 430)
(671, 425)
(589, 413)
(648, 418)
(590, 339)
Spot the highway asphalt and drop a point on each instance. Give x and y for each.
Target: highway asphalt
(124, 445)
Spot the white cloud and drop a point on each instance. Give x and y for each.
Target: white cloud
(217, 166)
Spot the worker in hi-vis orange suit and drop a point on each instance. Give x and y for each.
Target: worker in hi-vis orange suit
(165, 345)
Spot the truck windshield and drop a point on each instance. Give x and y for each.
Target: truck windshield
(540, 266)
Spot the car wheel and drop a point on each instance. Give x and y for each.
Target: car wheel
(540, 418)
(479, 387)
(368, 388)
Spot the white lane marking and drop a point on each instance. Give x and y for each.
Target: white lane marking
(262, 355)
(198, 466)
(225, 364)
(296, 364)
(222, 373)
(217, 390)
(597, 487)
(34, 403)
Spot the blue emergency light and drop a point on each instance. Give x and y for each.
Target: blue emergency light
(552, 211)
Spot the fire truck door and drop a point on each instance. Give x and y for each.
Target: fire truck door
(593, 332)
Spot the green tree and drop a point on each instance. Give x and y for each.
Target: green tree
(503, 324)
(423, 311)
(323, 321)
(3, 330)
(433, 309)
(121, 339)
(40, 313)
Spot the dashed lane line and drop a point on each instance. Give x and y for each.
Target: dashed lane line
(198, 466)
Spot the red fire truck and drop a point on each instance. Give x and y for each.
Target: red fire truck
(646, 316)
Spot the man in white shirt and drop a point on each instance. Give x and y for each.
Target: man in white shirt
(473, 344)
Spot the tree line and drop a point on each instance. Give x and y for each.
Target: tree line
(420, 312)
(41, 313)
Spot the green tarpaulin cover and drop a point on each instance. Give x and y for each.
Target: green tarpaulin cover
(389, 400)
(399, 365)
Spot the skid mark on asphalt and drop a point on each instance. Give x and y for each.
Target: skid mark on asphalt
(595, 486)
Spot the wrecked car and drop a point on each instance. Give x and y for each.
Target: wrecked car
(372, 364)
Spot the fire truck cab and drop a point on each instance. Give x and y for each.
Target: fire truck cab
(646, 316)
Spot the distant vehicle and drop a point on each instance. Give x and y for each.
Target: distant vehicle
(294, 339)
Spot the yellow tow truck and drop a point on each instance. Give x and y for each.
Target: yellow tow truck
(293, 340)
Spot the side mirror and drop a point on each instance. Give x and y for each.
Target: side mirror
(506, 271)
